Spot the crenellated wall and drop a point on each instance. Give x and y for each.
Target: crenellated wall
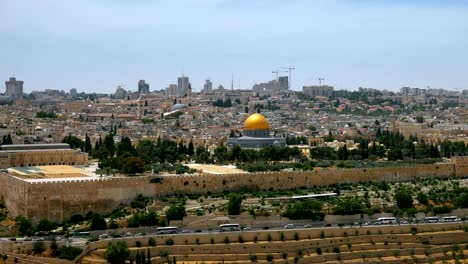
(58, 201)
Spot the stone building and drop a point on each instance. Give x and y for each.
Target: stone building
(40, 154)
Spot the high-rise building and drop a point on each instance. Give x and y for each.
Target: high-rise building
(14, 88)
(208, 86)
(143, 87)
(182, 85)
(318, 90)
(73, 92)
(283, 83)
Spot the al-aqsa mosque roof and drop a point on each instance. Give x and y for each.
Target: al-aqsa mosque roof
(256, 122)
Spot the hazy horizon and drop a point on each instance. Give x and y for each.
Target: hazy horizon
(96, 45)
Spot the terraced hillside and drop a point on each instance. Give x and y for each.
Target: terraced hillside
(430, 243)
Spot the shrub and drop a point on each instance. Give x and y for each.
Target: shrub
(240, 239)
(281, 236)
(284, 255)
(117, 254)
(69, 253)
(300, 253)
(322, 235)
(296, 236)
(255, 239)
(38, 247)
(319, 251)
(226, 240)
(169, 242)
(212, 240)
(269, 237)
(253, 257)
(414, 230)
(151, 242)
(269, 257)
(404, 199)
(336, 249)
(197, 241)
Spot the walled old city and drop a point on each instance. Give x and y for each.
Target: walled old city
(82, 170)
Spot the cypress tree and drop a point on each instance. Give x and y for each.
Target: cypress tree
(9, 140)
(88, 147)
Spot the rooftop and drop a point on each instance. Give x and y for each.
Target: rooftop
(50, 172)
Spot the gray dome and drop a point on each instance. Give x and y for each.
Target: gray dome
(178, 106)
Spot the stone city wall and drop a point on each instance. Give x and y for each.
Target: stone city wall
(58, 201)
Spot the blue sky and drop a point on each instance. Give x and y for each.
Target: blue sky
(94, 45)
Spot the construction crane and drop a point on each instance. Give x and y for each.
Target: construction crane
(290, 69)
(320, 81)
(276, 73)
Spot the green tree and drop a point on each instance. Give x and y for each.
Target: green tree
(404, 199)
(190, 148)
(46, 225)
(133, 165)
(234, 204)
(422, 198)
(125, 147)
(74, 142)
(311, 209)
(462, 201)
(117, 253)
(109, 144)
(349, 206)
(176, 212)
(25, 226)
(39, 247)
(87, 146)
(97, 222)
(395, 154)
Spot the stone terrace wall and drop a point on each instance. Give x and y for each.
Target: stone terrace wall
(58, 201)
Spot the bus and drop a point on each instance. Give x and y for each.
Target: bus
(81, 234)
(450, 219)
(167, 230)
(386, 220)
(432, 219)
(229, 227)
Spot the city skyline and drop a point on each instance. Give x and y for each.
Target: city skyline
(96, 46)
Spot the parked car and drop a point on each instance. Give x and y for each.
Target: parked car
(289, 226)
(308, 226)
(247, 228)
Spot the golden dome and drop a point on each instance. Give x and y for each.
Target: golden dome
(256, 122)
